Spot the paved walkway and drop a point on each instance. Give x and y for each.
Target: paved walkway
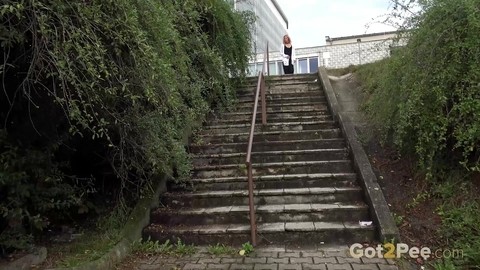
(279, 258)
(268, 259)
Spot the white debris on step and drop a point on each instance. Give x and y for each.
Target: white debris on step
(365, 223)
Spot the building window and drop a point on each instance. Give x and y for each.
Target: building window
(251, 70)
(273, 70)
(313, 64)
(303, 65)
(280, 68)
(307, 65)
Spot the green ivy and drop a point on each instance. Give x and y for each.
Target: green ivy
(107, 87)
(427, 95)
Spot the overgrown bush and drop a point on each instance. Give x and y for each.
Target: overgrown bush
(99, 96)
(427, 97)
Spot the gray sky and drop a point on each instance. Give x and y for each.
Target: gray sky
(311, 20)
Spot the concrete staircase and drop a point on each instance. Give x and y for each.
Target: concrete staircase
(306, 188)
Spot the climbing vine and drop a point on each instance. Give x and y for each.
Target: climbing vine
(99, 97)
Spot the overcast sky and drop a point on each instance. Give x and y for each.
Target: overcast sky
(311, 20)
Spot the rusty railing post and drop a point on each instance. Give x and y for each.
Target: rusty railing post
(264, 102)
(268, 61)
(253, 224)
(260, 91)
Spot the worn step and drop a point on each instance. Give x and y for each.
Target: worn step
(306, 85)
(272, 108)
(263, 197)
(268, 146)
(264, 214)
(286, 126)
(276, 106)
(279, 99)
(296, 167)
(282, 81)
(287, 145)
(285, 89)
(280, 96)
(263, 136)
(281, 233)
(282, 102)
(271, 118)
(272, 156)
(275, 181)
(277, 115)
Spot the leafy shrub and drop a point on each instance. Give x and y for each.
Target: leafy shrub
(427, 99)
(100, 96)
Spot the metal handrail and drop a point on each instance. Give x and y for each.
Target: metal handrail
(248, 161)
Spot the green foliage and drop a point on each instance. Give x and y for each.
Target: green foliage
(92, 243)
(444, 265)
(426, 97)
(460, 227)
(247, 248)
(99, 97)
(219, 249)
(167, 248)
(421, 197)
(398, 219)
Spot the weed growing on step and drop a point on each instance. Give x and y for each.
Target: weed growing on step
(91, 244)
(167, 248)
(247, 248)
(398, 219)
(184, 249)
(444, 265)
(421, 197)
(219, 249)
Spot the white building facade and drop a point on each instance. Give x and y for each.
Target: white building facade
(271, 25)
(338, 53)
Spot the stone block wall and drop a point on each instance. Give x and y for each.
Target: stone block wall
(344, 55)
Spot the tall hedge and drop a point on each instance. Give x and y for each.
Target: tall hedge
(98, 97)
(427, 96)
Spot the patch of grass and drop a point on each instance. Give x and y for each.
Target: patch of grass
(443, 265)
(421, 197)
(460, 214)
(219, 249)
(166, 248)
(152, 247)
(398, 219)
(92, 245)
(89, 247)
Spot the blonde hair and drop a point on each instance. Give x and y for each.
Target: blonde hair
(289, 40)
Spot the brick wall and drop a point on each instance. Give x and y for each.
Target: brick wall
(344, 55)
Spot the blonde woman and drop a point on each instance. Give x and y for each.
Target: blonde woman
(288, 55)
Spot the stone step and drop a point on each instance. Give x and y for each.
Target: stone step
(295, 112)
(272, 108)
(225, 148)
(280, 96)
(282, 99)
(279, 181)
(281, 89)
(264, 214)
(286, 126)
(278, 106)
(263, 197)
(281, 233)
(283, 102)
(266, 136)
(271, 118)
(271, 156)
(298, 167)
(295, 78)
